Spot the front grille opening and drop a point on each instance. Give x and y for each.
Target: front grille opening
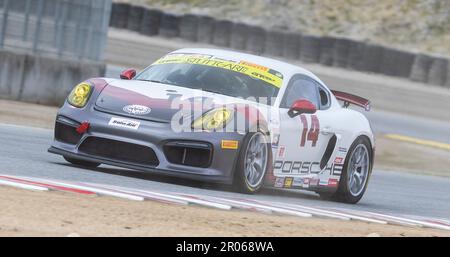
(66, 133)
(189, 156)
(118, 150)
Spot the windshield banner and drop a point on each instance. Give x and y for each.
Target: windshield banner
(253, 70)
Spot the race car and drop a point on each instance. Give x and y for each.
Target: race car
(222, 116)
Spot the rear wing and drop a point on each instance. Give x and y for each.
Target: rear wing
(352, 99)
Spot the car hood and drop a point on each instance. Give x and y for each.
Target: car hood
(158, 102)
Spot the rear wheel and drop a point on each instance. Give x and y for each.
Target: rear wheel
(79, 162)
(253, 163)
(356, 173)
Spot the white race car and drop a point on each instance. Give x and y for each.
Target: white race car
(222, 116)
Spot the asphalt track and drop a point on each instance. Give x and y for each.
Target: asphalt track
(24, 153)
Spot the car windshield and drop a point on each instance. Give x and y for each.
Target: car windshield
(237, 79)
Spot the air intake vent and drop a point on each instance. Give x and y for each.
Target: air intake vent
(66, 134)
(118, 150)
(189, 153)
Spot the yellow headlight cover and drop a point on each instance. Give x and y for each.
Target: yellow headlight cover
(212, 120)
(80, 95)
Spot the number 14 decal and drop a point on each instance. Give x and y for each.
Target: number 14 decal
(311, 134)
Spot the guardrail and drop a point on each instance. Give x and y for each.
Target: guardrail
(329, 51)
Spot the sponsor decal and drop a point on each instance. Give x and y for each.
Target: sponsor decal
(137, 109)
(124, 123)
(323, 182)
(259, 67)
(275, 140)
(281, 152)
(230, 144)
(288, 182)
(255, 71)
(298, 167)
(297, 182)
(332, 182)
(279, 182)
(342, 149)
(314, 181)
(306, 183)
(338, 160)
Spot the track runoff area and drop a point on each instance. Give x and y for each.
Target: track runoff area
(222, 203)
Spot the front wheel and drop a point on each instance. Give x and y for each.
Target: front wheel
(253, 163)
(356, 173)
(81, 162)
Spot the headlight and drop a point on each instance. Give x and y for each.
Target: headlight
(80, 95)
(214, 119)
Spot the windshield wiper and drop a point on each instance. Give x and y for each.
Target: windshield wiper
(158, 81)
(149, 80)
(211, 91)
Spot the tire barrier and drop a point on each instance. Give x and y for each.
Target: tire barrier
(169, 25)
(119, 15)
(30, 78)
(255, 40)
(396, 63)
(447, 81)
(274, 43)
(327, 51)
(341, 52)
(310, 49)
(291, 47)
(189, 27)
(222, 32)
(238, 37)
(205, 29)
(371, 58)
(151, 21)
(355, 55)
(135, 15)
(12, 65)
(437, 74)
(420, 68)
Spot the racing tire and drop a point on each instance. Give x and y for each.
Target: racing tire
(79, 162)
(254, 160)
(356, 173)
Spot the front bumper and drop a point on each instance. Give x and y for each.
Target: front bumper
(155, 136)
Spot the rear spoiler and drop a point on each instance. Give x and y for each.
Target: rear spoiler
(352, 99)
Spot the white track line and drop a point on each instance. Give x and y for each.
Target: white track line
(393, 220)
(92, 189)
(422, 223)
(315, 212)
(134, 197)
(274, 209)
(324, 213)
(146, 195)
(22, 185)
(173, 196)
(192, 200)
(238, 206)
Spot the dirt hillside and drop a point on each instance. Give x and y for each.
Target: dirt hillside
(422, 25)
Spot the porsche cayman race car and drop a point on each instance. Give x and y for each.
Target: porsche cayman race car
(222, 116)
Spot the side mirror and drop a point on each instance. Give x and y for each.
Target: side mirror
(301, 107)
(128, 74)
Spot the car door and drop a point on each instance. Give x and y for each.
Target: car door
(303, 138)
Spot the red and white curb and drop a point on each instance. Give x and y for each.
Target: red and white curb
(223, 203)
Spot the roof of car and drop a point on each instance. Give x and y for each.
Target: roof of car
(277, 65)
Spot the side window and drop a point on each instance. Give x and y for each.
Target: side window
(300, 87)
(324, 99)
